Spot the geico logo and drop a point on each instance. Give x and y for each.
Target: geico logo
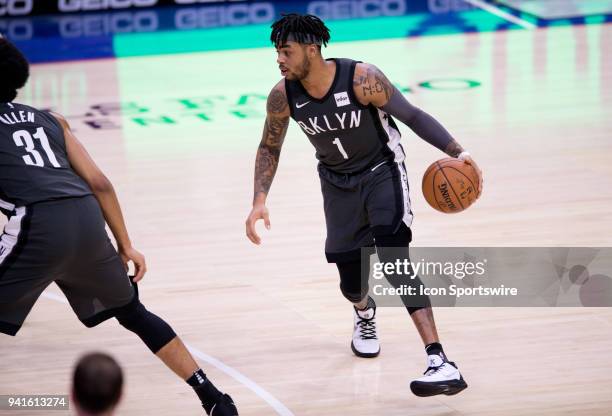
(16, 7)
(202, 1)
(79, 5)
(360, 8)
(17, 29)
(217, 16)
(445, 6)
(105, 24)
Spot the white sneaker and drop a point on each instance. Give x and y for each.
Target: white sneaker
(365, 337)
(441, 377)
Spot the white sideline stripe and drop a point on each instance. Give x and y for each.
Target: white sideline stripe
(280, 408)
(500, 13)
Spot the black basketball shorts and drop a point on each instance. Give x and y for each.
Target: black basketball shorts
(65, 242)
(360, 206)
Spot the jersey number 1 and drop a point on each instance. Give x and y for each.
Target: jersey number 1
(23, 138)
(338, 143)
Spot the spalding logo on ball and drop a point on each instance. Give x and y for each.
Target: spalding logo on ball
(450, 185)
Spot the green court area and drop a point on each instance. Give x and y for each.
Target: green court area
(215, 100)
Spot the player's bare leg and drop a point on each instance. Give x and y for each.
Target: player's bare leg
(178, 359)
(176, 356)
(426, 325)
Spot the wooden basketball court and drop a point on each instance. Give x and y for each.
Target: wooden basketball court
(177, 135)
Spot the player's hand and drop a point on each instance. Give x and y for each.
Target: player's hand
(259, 212)
(465, 156)
(133, 255)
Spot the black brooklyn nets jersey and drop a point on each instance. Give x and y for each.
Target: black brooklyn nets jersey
(34, 164)
(348, 136)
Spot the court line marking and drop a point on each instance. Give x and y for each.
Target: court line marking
(500, 13)
(280, 408)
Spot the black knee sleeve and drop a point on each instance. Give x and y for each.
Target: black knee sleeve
(401, 238)
(153, 330)
(413, 309)
(353, 285)
(393, 247)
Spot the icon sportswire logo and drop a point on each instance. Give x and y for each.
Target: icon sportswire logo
(298, 105)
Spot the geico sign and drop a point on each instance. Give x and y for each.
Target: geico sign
(16, 7)
(79, 5)
(203, 1)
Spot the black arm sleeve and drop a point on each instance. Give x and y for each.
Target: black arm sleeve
(424, 125)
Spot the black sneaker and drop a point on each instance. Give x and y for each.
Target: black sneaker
(224, 407)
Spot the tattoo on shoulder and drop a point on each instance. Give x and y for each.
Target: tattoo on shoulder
(359, 80)
(453, 149)
(373, 82)
(277, 101)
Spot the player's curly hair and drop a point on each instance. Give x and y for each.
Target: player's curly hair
(14, 70)
(305, 28)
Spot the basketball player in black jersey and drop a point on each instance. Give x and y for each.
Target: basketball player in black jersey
(57, 202)
(346, 110)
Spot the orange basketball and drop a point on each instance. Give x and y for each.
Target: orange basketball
(450, 185)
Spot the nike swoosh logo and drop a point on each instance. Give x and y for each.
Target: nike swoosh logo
(301, 105)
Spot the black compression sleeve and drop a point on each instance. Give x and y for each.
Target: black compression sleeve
(424, 125)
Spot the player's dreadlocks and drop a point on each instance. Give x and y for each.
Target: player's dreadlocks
(14, 70)
(307, 29)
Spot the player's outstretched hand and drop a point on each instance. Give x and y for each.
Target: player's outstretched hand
(136, 257)
(465, 156)
(259, 212)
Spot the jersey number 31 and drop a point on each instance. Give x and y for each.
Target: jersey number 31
(23, 138)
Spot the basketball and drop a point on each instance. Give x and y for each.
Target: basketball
(450, 185)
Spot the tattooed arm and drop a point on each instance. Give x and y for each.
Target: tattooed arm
(267, 158)
(371, 86)
(272, 139)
